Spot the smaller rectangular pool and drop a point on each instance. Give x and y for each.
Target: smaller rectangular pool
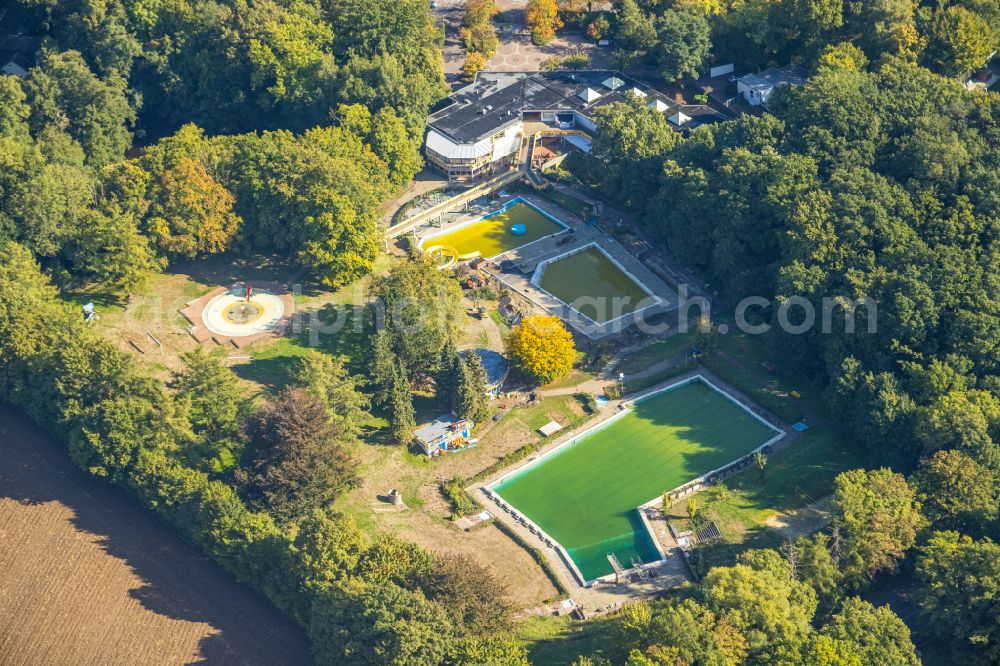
(593, 285)
(490, 235)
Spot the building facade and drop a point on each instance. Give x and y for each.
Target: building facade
(481, 132)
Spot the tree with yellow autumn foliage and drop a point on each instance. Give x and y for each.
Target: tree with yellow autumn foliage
(542, 17)
(542, 347)
(191, 213)
(474, 62)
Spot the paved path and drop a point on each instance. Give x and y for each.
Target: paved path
(607, 374)
(423, 182)
(579, 235)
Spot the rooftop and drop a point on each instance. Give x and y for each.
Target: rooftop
(772, 77)
(495, 100)
(439, 427)
(495, 365)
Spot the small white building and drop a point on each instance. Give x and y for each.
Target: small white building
(757, 89)
(16, 64)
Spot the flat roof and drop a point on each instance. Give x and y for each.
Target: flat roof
(494, 364)
(773, 77)
(495, 100)
(440, 426)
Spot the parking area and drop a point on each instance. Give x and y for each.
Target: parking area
(515, 53)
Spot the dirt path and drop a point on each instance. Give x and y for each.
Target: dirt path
(810, 518)
(88, 578)
(608, 374)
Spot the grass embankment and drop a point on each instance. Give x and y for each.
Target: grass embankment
(650, 355)
(575, 205)
(558, 641)
(792, 478)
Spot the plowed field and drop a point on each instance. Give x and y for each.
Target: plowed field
(86, 577)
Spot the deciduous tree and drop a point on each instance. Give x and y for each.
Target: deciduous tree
(955, 491)
(64, 92)
(421, 307)
(542, 18)
(542, 347)
(879, 517)
(958, 597)
(877, 635)
(684, 44)
(294, 461)
(191, 213)
(959, 41)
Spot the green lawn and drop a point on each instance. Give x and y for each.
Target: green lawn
(559, 641)
(795, 477)
(585, 495)
(575, 205)
(593, 285)
(491, 235)
(656, 352)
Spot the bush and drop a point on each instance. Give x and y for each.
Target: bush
(454, 493)
(576, 61)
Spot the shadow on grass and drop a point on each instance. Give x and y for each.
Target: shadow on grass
(229, 267)
(338, 330)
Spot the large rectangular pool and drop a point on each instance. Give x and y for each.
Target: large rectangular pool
(491, 235)
(585, 495)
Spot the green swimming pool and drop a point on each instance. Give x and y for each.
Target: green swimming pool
(491, 235)
(585, 495)
(593, 285)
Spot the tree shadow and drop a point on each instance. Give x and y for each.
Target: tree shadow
(338, 330)
(178, 581)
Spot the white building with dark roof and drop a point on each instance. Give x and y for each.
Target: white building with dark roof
(482, 129)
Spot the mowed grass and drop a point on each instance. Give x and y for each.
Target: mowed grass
(593, 285)
(491, 235)
(586, 495)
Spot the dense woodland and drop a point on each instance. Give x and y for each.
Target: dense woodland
(152, 131)
(276, 135)
(878, 179)
(950, 37)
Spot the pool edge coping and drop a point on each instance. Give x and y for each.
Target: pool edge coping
(564, 227)
(488, 488)
(536, 281)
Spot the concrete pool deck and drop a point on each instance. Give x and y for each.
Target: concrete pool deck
(527, 258)
(514, 268)
(670, 572)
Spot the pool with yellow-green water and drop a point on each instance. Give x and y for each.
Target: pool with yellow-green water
(593, 285)
(490, 235)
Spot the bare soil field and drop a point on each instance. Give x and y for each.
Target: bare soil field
(86, 577)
